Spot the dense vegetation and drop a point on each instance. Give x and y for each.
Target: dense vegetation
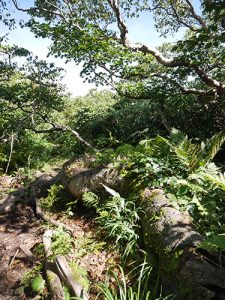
(152, 91)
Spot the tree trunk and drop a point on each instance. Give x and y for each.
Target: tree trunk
(81, 180)
(187, 270)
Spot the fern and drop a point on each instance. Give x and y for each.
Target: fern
(217, 179)
(215, 242)
(90, 199)
(177, 136)
(186, 152)
(213, 146)
(193, 155)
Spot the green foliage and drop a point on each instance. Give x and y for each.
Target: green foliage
(137, 289)
(58, 199)
(155, 94)
(214, 242)
(62, 243)
(32, 276)
(38, 284)
(54, 196)
(90, 199)
(87, 244)
(80, 274)
(119, 217)
(183, 169)
(30, 93)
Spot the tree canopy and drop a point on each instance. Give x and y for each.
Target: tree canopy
(96, 33)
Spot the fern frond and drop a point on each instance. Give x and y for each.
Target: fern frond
(188, 153)
(218, 180)
(177, 136)
(213, 146)
(185, 151)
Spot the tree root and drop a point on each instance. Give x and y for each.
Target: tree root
(66, 276)
(53, 280)
(58, 271)
(40, 214)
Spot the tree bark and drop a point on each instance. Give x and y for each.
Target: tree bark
(79, 181)
(185, 269)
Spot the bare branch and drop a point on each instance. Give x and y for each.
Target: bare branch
(62, 128)
(195, 15)
(32, 9)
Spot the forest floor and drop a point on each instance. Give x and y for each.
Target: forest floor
(21, 232)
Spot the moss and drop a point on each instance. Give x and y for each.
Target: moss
(80, 275)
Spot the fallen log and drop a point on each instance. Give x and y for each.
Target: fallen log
(187, 271)
(77, 182)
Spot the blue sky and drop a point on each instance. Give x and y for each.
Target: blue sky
(142, 30)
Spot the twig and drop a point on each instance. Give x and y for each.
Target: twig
(27, 252)
(10, 154)
(13, 258)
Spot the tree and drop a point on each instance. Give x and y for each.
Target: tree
(176, 78)
(96, 33)
(30, 92)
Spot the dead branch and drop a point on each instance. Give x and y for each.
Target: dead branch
(63, 128)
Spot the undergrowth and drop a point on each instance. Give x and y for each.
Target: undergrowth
(185, 170)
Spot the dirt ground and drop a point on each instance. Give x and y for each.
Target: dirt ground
(20, 231)
(18, 228)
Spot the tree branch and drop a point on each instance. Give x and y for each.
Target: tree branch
(195, 15)
(182, 88)
(62, 128)
(180, 20)
(32, 9)
(120, 20)
(171, 63)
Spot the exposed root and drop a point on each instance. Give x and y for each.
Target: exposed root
(66, 275)
(53, 280)
(58, 271)
(40, 214)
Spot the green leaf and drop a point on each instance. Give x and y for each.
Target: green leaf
(38, 284)
(214, 242)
